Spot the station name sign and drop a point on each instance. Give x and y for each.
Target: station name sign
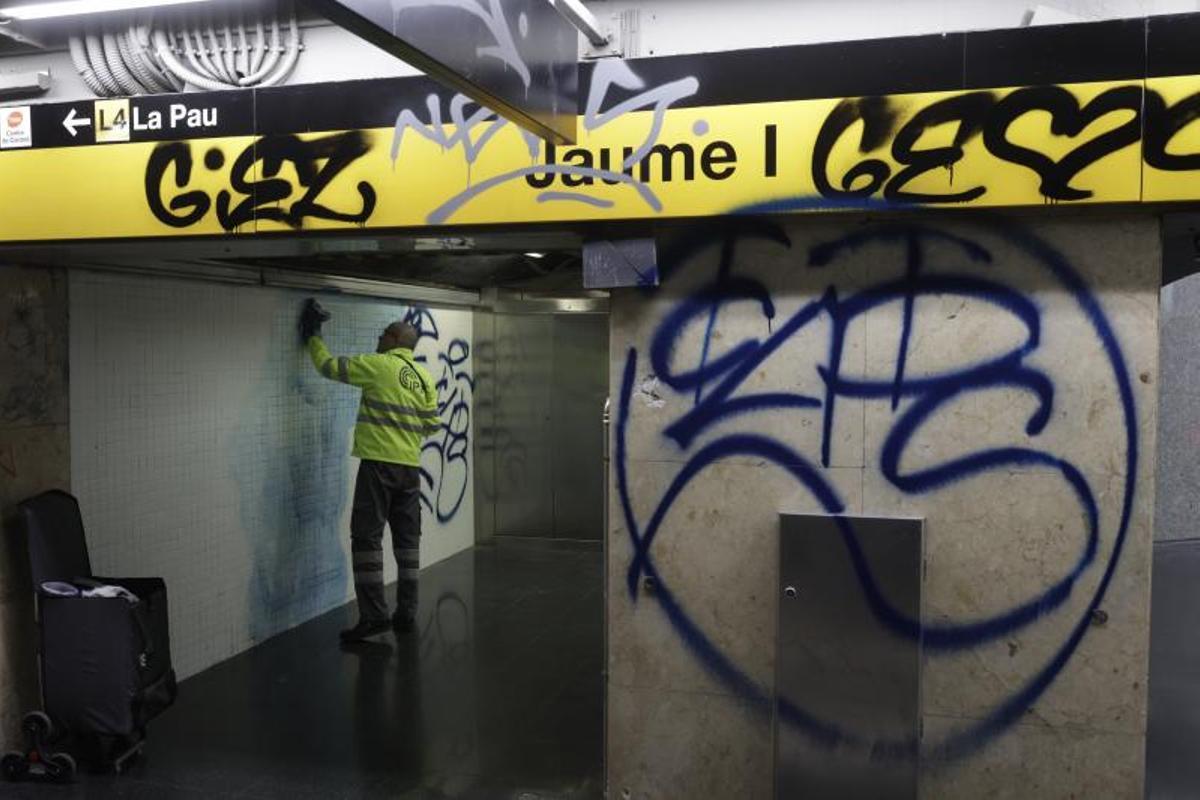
(761, 131)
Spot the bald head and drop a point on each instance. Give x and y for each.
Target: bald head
(399, 334)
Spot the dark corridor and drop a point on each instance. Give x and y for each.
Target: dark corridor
(499, 695)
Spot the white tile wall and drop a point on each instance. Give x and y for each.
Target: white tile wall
(205, 449)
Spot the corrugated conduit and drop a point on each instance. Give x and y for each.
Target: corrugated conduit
(83, 66)
(210, 53)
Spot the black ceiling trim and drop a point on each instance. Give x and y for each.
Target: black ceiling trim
(1129, 49)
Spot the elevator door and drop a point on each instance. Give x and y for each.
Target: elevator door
(551, 382)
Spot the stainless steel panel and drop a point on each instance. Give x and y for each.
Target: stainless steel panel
(577, 425)
(1177, 503)
(516, 57)
(1172, 768)
(611, 263)
(523, 440)
(839, 664)
(483, 359)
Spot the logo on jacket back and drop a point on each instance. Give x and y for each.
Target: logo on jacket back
(410, 380)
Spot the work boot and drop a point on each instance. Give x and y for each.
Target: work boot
(402, 625)
(364, 630)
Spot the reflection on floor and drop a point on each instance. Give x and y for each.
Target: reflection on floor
(499, 696)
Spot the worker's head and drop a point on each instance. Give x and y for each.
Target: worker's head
(398, 334)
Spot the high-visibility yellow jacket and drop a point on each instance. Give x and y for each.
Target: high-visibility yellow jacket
(399, 405)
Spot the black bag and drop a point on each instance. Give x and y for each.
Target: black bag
(105, 662)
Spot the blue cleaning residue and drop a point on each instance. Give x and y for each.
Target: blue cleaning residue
(291, 457)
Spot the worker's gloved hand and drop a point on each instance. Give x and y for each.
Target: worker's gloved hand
(311, 319)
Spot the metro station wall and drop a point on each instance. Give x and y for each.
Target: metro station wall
(207, 450)
(34, 457)
(997, 379)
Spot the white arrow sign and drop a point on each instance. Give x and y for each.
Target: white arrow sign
(73, 122)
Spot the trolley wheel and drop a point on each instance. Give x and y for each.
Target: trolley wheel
(61, 768)
(38, 726)
(15, 766)
(130, 757)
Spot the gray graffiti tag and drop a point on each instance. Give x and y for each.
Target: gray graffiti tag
(615, 72)
(505, 49)
(577, 197)
(451, 206)
(435, 131)
(607, 76)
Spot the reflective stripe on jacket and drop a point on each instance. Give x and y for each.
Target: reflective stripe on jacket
(399, 401)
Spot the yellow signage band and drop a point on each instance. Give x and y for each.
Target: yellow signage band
(1107, 142)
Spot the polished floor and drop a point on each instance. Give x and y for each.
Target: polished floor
(499, 695)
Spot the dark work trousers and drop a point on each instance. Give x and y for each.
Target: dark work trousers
(386, 494)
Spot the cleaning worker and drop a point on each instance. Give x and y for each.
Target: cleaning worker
(398, 411)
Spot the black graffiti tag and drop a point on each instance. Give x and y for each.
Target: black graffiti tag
(258, 190)
(984, 114)
(969, 112)
(879, 117)
(1067, 118)
(1162, 126)
(193, 205)
(879, 120)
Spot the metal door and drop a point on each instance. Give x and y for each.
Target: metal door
(524, 377)
(551, 381)
(577, 413)
(838, 664)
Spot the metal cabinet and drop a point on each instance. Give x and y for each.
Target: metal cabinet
(840, 671)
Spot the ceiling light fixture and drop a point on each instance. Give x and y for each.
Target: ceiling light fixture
(69, 8)
(536, 255)
(433, 295)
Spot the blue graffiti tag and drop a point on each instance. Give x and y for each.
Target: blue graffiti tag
(714, 383)
(443, 494)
